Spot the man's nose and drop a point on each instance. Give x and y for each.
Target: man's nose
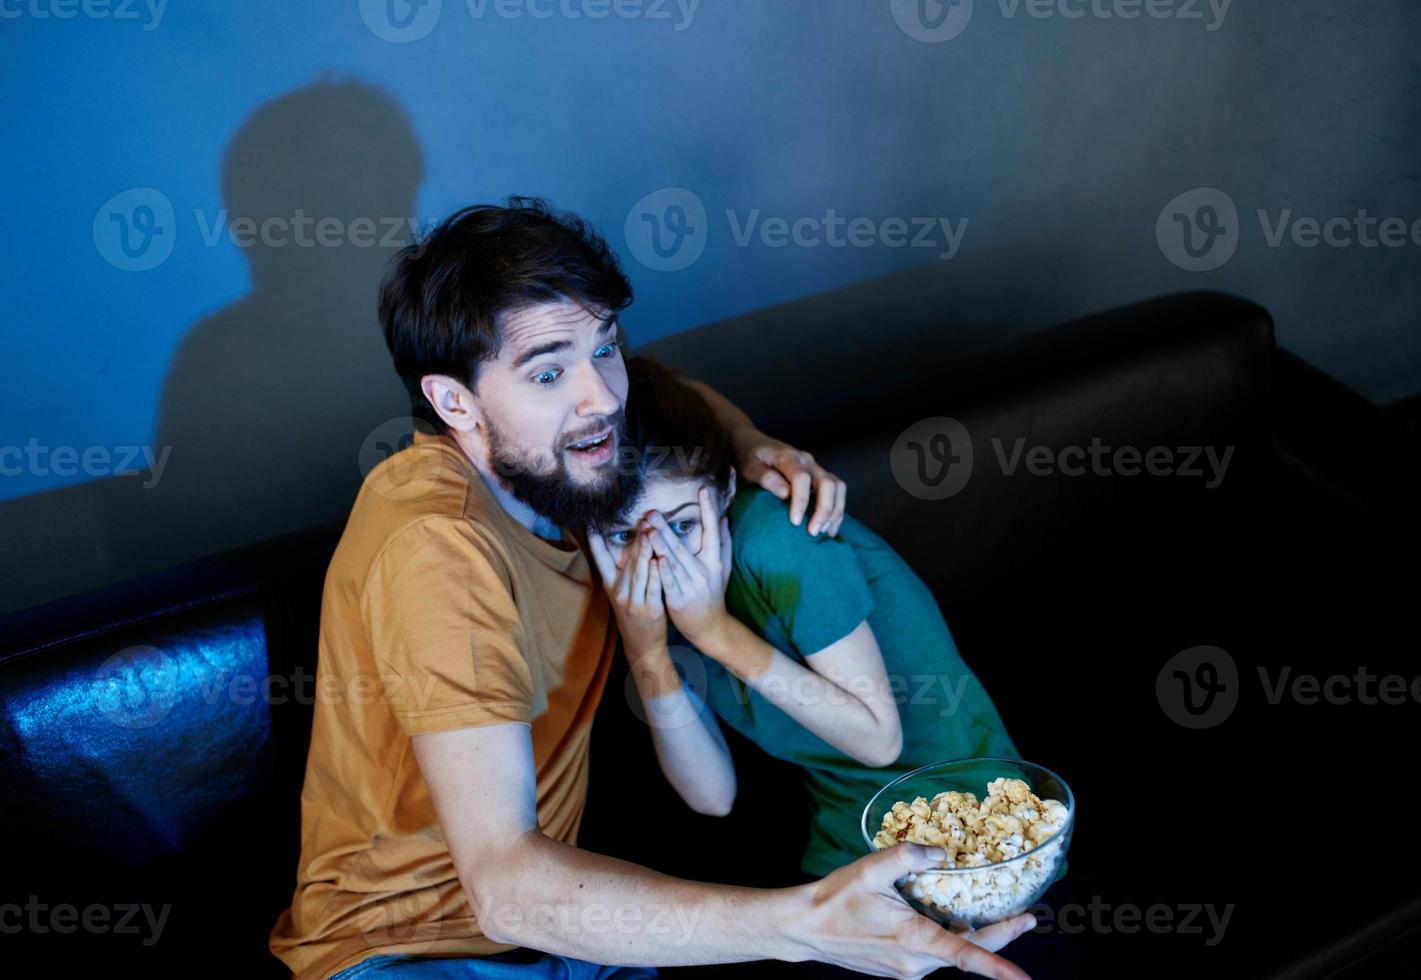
(595, 397)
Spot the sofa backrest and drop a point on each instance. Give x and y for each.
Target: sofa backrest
(134, 723)
(1188, 370)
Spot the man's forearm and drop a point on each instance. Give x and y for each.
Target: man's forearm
(735, 422)
(558, 898)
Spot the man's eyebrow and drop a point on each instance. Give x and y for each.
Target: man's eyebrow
(533, 353)
(553, 346)
(689, 503)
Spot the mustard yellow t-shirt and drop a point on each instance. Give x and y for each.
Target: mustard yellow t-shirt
(439, 612)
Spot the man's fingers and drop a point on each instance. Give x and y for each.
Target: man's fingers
(800, 484)
(829, 505)
(842, 505)
(967, 955)
(998, 934)
(766, 476)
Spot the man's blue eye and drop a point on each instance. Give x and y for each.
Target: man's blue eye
(605, 351)
(683, 528)
(546, 377)
(620, 537)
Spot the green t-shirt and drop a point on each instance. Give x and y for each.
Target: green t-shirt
(802, 594)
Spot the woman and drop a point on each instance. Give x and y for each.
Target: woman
(828, 652)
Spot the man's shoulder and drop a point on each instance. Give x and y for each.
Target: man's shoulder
(416, 498)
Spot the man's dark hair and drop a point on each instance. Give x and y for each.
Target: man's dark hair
(441, 301)
(671, 429)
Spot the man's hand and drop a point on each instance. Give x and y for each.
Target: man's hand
(788, 472)
(778, 467)
(858, 920)
(635, 592)
(694, 584)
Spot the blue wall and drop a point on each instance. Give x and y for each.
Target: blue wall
(1071, 133)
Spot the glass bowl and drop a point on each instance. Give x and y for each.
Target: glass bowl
(973, 897)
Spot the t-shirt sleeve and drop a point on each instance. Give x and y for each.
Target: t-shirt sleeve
(814, 586)
(439, 609)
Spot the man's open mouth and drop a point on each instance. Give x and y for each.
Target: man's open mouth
(595, 448)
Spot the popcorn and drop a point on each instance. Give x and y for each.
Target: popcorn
(1009, 822)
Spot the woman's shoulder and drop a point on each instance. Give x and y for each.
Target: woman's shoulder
(758, 515)
(764, 537)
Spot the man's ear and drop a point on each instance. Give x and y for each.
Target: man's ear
(729, 494)
(452, 400)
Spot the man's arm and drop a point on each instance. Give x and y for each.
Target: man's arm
(780, 468)
(530, 890)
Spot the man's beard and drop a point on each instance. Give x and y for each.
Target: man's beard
(556, 495)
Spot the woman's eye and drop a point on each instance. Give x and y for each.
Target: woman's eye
(683, 528)
(620, 537)
(546, 377)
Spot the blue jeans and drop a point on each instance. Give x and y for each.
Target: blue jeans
(516, 964)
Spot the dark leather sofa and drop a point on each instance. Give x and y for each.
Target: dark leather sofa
(153, 735)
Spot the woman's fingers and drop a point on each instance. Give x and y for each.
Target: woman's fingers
(666, 568)
(653, 584)
(686, 565)
(726, 545)
(640, 576)
(674, 575)
(710, 540)
(602, 558)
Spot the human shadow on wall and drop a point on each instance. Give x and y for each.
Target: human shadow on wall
(267, 401)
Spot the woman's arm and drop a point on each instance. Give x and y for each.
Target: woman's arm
(689, 745)
(843, 696)
(845, 699)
